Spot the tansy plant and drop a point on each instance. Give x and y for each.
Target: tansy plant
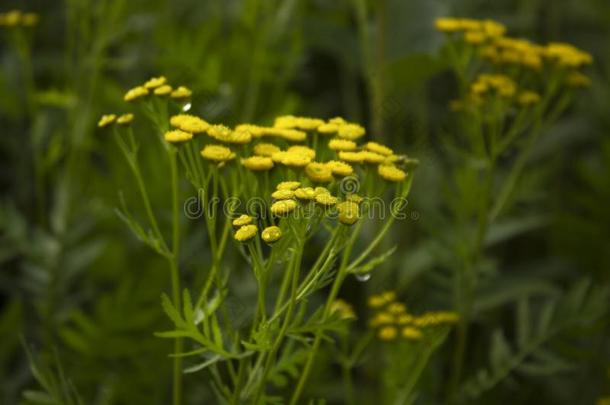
(510, 92)
(270, 193)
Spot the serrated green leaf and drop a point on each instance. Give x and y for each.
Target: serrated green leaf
(172, 312)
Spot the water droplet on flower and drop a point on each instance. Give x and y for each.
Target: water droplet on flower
(363, 277)
(186, 107)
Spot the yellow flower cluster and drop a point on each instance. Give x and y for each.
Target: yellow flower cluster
(502, 85)
(501, 49)
(246, 230)
(392, 319)
(159, 87)
(17, 18)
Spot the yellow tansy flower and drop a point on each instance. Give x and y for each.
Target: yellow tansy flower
(135, 93)
(181, 92)
(326, 199)
(305, 193)
(155, 82)
(271, 234)
(342, 144)
(339, 168)
(283, 207)
(242, 220)
(163, 90)
(319, 172)
(288, 185)
(372, 157)
(189, 123)
(282, 194)
(106, 120)
(345, 310)
(125, 119)
(217, 153)
(257, 163)
(351, 131)
(387, 333)
(177, 136)
(351, 157)
(349, 212)
(246, 232)
(379, 148)
(411, 333)
(302, 150)
(265, 149)
(391, 173)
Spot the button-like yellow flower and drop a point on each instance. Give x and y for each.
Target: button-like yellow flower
(125, 119)
(189, 123)
(242, 220)
(302, 150)
(397, 308)
(163, 90)
(328, 129)
(448, 25)
(527, 98)
(283, 207)
(339, 168)
(181, 92)
(341, 307)
(387, 333)
(351, 131)
(257, 163)
(391, 173)
(376, 301)
(349, 212)
(291, 135)
(474, 37)
(282, 194)
(177, 136)
(288, 185)
(379, 148)
(411, 333)
(106, 120)
(265, 149)
(321, 190)
(326, 199)
(271, 234)
(354, 198)
(255, 130)
(155, 82)
(245, 233)
(135, 93)
(351, 157)
(372, 157)
(319, 172)
(217, 153)
(225, 134)
(305, 193)
(382, 318)
(342, 144)
(291, 159)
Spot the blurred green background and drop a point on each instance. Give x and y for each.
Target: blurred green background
(76, 285)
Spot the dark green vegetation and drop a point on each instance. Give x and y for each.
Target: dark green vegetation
(82, 295)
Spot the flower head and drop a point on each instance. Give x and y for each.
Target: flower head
(378, 148)
(181, 92)
(125, 119)
(319, 172)
(135, 93)
(351, 131)
(338, 144)
(339, 168)
(257, 163)
(217, 153)
(242, 220)
(163, 90)
(265, 149)
(245, 233)
(271, 234)
(343, 309)
(177, 136)
(282, 194)
(391, 173)
(106, 120)
(411, 333)
(155, 82)
(288, 185)
(189, 123)
(326, 199)
(387, 333)
(225, 134)
(305, 193)
(349, 212)
(283, 207)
